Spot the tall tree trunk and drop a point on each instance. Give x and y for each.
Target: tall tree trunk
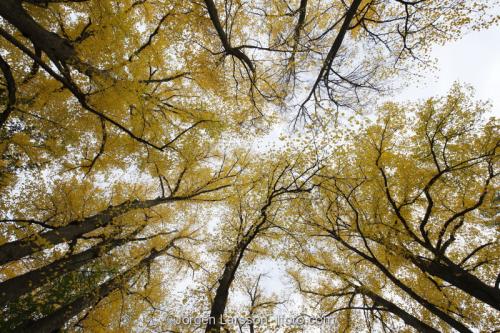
(56, 320)
(57, 48)
(425, 303)
(462, 279)
(222, 293)
(22, 284)
(20, 248)
(11, 91)
(414, 322)
(422, 301)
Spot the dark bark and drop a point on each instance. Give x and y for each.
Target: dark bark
(222, 292)
(57, 48)
(298, 28)
(414, 322)
(56, 320)
(228, 48)
(337, 43)
(221, 295)
(462, 279)
(20, 248)
(422, 301)
(11, 91)
(22, 284)
(300, 23)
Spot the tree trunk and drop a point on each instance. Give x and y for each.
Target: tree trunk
(414, 322)
(222, 293)
(57, 48)
(426, 304)
(18, 249)
(56, 320)
(16, 287)
(422, 301)
(460, 278)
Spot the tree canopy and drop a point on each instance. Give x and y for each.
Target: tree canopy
(130, 198)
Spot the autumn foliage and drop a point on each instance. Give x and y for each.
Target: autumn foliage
(136, 188)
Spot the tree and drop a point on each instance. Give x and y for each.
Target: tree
(93, 60)
(404, 206)
(118, 122)
(58, 318)
(87, 240)
(255, 213)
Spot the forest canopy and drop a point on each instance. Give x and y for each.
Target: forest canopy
(133, 194)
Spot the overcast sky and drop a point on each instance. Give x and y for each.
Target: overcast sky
(474, 59)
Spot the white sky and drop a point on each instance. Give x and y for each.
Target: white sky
(474, 60)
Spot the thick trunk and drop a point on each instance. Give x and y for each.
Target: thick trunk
(57, 48)
(56, 320)
(461, 279)
(410, 320)
(222, 293)
(18, 249)
(11, 91)
(214, 324)
(16, 287)
(422, 301)
(426, 304)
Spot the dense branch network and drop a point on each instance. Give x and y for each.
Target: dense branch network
(122, 171)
